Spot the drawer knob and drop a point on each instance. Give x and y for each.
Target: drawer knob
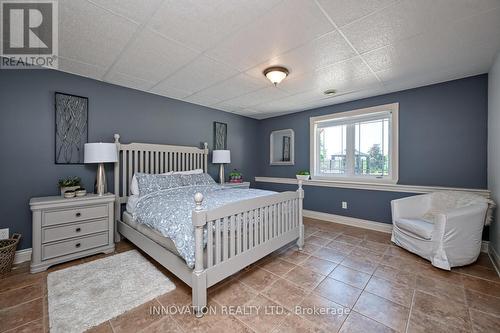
(78, 229)
(78, 214)
(78, 245)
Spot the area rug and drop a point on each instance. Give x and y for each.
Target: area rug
(84, 296)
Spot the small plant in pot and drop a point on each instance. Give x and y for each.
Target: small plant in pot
(69, 184)
(235, 177)
(303, 175)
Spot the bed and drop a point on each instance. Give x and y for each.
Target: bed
(225, 238)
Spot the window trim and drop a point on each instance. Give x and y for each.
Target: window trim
(393, 138)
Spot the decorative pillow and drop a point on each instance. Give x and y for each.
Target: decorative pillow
(190, 172)
(149, 183)
(197, 179)
(134, 186)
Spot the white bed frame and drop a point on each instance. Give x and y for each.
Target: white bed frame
(238, 234)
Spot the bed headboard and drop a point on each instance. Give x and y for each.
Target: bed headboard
(153, 158)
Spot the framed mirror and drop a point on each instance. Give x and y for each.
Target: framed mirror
(282, 147)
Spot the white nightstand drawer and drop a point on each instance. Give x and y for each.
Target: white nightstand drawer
(73, 230)
(53, 250)
(74, 214)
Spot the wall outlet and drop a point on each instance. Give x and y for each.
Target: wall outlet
(4, 233)
(344, 204)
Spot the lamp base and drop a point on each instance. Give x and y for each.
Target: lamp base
(100, 182)
(221, 174)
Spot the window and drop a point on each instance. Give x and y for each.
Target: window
(359, 145)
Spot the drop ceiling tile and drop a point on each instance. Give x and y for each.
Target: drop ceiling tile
(129, 81)
(80, 68)
(321, 52)
(152, 57)
(197, 75)
(405, 19)
(336, 76)
(453, 10)
(90, 34)
(288, 25)
(136, 10)
(233, 87)
(256, 97)
(199, 98)
(170, 92)
(343, 12)
(200, 24)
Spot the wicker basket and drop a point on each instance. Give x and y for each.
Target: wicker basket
(8, 252)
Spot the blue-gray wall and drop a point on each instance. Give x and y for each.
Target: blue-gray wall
(27, 114)
(442, 142)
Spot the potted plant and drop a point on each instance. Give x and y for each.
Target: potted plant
(69, 184)
(235, 177)
(303, 175)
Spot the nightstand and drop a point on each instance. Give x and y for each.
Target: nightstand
(67, 229)
(237, 185)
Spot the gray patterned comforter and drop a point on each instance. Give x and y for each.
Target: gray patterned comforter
(169, 211)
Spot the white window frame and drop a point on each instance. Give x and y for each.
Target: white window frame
(393, 176)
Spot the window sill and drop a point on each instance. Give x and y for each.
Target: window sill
(371, 186)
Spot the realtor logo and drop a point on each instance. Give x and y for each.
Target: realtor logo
(29, 34)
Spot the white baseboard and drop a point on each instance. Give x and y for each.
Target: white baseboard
(352, 221)
(495, 259)
(22, 256)
(360, 223)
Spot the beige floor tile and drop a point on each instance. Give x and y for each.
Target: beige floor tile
(102, 328)
(350, 276)
(390, 290)
(304, 278)
(481, 285)
(361, 252)
(310, 248)
(374, 246)
(360, 264)
(482, 302)
(421, 323)
(349, 239)
(285, 293)
(479, 271)
(21, 314)
(342, 248)
(316, 240)
(20, 295)
(233, 293)
(338, 292)
(136, 319)
(357, 323)
(277, 266)
(318, 265)
(330, 255)
(257, 278)
(294, 256)
(296, 324)
(385, 312)
(484, 260)
(330, 321)
(441, 289)
(396, 275)
(446, 311)
(483, 322)
(263, 315)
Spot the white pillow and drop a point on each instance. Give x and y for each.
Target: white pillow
(190, 172)
(134, 185)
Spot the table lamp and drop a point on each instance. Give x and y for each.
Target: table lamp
(100, 153)
(222, 157)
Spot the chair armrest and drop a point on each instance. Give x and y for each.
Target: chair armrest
(414, 206)
(465, 216)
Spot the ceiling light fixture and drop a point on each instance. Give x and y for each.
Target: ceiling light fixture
(330, 92)
(276, 74)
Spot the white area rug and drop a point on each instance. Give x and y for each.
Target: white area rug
(86, 295)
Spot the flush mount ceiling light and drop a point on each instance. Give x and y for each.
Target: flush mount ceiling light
(330, 92)
(276, 74)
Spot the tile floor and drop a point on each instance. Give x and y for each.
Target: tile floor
(361, 281)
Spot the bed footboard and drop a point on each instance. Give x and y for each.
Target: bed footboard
(240, 234)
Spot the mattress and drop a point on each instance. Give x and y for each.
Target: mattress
(150, 233)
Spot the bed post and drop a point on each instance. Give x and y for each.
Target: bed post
(205, 166)
(300, 241)
(199, 283)
(117, 189)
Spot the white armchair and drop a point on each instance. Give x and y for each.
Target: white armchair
(443, 227)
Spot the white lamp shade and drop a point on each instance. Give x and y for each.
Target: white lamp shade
(221, 156)
(100, 153)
